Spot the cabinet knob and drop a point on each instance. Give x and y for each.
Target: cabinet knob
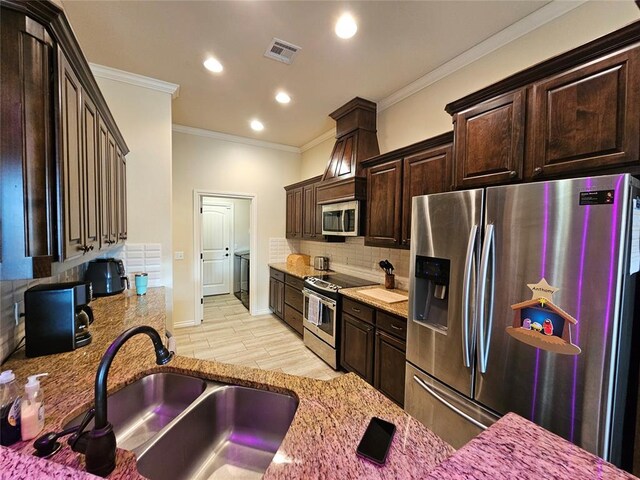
(513, 173)
(537, 170)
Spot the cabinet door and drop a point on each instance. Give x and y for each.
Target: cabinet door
(424, 173)
(26, 146)
(384, 204)
(390, 366)
(356, 354)
(114, 205)
(122, 196)
(294, 213)
(280, 300)
(91, 165)
(71, 162)
(272, 294)
(489, 141)
(104, 176)
(318, 219)
(309, 212)
(587, 118)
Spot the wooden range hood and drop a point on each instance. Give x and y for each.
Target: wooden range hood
(356, 141)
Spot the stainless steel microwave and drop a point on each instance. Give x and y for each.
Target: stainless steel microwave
(341, 219)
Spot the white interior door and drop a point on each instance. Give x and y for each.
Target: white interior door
(216, 251)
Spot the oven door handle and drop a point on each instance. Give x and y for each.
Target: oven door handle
(328, 302)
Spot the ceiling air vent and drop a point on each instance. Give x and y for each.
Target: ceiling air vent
(281, 51)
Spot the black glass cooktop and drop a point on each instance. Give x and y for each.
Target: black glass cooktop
(344, 281)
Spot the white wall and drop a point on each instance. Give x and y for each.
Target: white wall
(144, 118)
(219, 166)
(422, 115)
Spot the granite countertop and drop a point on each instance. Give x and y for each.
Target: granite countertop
(400, 308)
(321, 442)
(300, 271)
(517, 448)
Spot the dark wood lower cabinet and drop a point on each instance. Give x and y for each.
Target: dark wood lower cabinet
(357, 347)
(285, 299)
(276, 297)
(373, 346)
(293, 318)
(389, 371)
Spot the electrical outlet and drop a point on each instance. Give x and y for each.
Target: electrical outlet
(178, 255)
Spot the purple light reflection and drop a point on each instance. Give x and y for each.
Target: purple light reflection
(545, 237)
(583, 249)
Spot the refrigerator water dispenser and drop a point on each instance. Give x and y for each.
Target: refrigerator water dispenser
(431, 293)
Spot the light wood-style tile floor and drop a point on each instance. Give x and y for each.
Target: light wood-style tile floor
(229, 334)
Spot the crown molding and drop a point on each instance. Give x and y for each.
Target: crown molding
(225, 137)
(134, 79)
(318, 140)
(544, 15)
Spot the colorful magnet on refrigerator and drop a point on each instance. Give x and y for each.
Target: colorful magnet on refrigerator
(541, 324)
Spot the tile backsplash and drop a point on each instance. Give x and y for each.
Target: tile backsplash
(12, 292)
(354, 258)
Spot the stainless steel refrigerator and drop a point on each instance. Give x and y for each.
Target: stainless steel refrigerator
(521, 300)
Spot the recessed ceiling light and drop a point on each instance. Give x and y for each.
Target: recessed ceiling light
(257, 125)
(282, 97)
(346, 26)
(212, 65)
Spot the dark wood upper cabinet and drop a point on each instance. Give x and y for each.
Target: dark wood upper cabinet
(575, 114)
(91, 165)
(104, 175)
(309, 208)
(587, 118)
(304, 213)
(122, 195)
(424, 173)
(384, 204)
(27, 202)
(394, 178)
(70, 163)
(489, 145)
(294, 213)
(54, 122)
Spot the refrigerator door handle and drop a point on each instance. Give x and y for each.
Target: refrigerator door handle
(466, 293)
(484, 330)
(447, 404)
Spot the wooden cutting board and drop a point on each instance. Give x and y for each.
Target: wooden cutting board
(383, 295)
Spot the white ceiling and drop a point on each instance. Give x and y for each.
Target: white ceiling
(397, 42)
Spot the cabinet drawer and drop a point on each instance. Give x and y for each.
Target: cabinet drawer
(294, 281)
(293, 297)
(277, 274)
(391, 324)
(293, 318)
(359, 310)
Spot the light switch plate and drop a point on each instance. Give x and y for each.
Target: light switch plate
(178, 255)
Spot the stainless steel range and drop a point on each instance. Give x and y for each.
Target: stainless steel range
(322, 313)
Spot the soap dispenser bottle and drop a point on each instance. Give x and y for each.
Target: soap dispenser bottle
(9, 409)
(32, 414)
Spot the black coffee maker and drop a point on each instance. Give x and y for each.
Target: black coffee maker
(57, 318)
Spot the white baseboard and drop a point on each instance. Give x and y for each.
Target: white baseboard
(261, 312)
(185, 323)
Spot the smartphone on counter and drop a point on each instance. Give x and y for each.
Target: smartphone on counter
(376, 441)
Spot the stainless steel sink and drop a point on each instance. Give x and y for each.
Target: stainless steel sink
(231, 432)
(141, 410)
(182, 427)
